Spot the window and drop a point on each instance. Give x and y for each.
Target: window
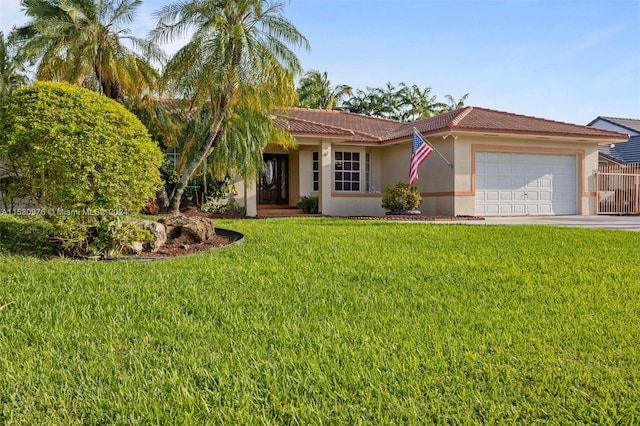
(346, 171)
(367, 172)
(316, 171)
(173, 157)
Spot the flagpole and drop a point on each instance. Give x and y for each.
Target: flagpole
(433, 147)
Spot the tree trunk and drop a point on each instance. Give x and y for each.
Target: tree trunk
(219, 110)
(163, 199)
(205, 151)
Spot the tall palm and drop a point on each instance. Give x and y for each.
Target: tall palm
(418, 103)
(454, 104)
(13, 72)
(85, 42)
(315, 91)
(237, 66)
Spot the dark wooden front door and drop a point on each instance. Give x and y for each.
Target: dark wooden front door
(273, 185)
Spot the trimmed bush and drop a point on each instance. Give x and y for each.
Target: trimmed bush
(401, 196)
(80, 160)
(72, 150)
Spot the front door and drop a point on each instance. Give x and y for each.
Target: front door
(273, 185)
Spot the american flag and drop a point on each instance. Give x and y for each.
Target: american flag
(419, 153)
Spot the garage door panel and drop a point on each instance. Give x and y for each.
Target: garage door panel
(519, 209)
(491, 210)
(524, 183)
(546, 196)
(492, 195)
(533, 209)
(544, 182)
(531, 169)
(506, 196)
(506, 182)
(506, 209)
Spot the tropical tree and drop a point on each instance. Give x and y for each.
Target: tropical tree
(315, 91)
(454, 104)
(13, 72)
(237, 68)
(418, 103)
(383, 102)
(84, 42)
(402, 103)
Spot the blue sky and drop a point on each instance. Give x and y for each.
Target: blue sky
(564, 60)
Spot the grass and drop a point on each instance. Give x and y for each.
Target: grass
(329, 321)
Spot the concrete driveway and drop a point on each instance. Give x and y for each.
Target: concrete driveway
(626, 223)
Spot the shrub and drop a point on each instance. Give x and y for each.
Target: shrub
(70, 148)
(104, 236)
(81, 159)
(28, 234)
(308, 204)
(220, 197)
(401, 196)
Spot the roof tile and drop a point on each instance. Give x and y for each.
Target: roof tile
(362, 128)
(624, 152)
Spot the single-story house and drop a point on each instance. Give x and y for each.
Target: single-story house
(622, 153)
(497, 163)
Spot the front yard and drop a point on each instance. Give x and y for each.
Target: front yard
(316, 321)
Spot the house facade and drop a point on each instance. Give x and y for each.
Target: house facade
(488, 163)
(622, 153)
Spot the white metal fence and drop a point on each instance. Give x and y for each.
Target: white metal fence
(618, 189)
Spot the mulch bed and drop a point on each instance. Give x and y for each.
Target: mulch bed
(173, 250)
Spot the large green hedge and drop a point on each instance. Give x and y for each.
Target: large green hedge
(70, 150)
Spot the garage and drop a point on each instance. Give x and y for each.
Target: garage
(512, 184)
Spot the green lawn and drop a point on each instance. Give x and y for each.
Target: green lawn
(330, 321)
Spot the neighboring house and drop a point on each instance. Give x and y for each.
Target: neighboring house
(502, 164)
(622, 153)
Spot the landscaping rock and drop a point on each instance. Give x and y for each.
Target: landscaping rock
(135, 248)
(157, 230)
(188, 230)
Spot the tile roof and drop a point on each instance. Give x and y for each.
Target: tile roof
(360, 128)
(627, 123)
(624, 152)
(475, 119)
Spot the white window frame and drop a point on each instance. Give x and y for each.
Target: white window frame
(344, 166)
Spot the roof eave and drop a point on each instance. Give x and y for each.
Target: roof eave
(334, 136)
(570, 137)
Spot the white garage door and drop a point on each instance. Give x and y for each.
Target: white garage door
(525, 184)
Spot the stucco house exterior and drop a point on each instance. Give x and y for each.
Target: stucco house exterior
(500, 164)
(622, 153)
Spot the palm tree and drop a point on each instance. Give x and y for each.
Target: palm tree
(373, 102)
(315, 91)
(418, 103)
(12, 68)
(84, 42)
(238, 67)
(455, 103)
